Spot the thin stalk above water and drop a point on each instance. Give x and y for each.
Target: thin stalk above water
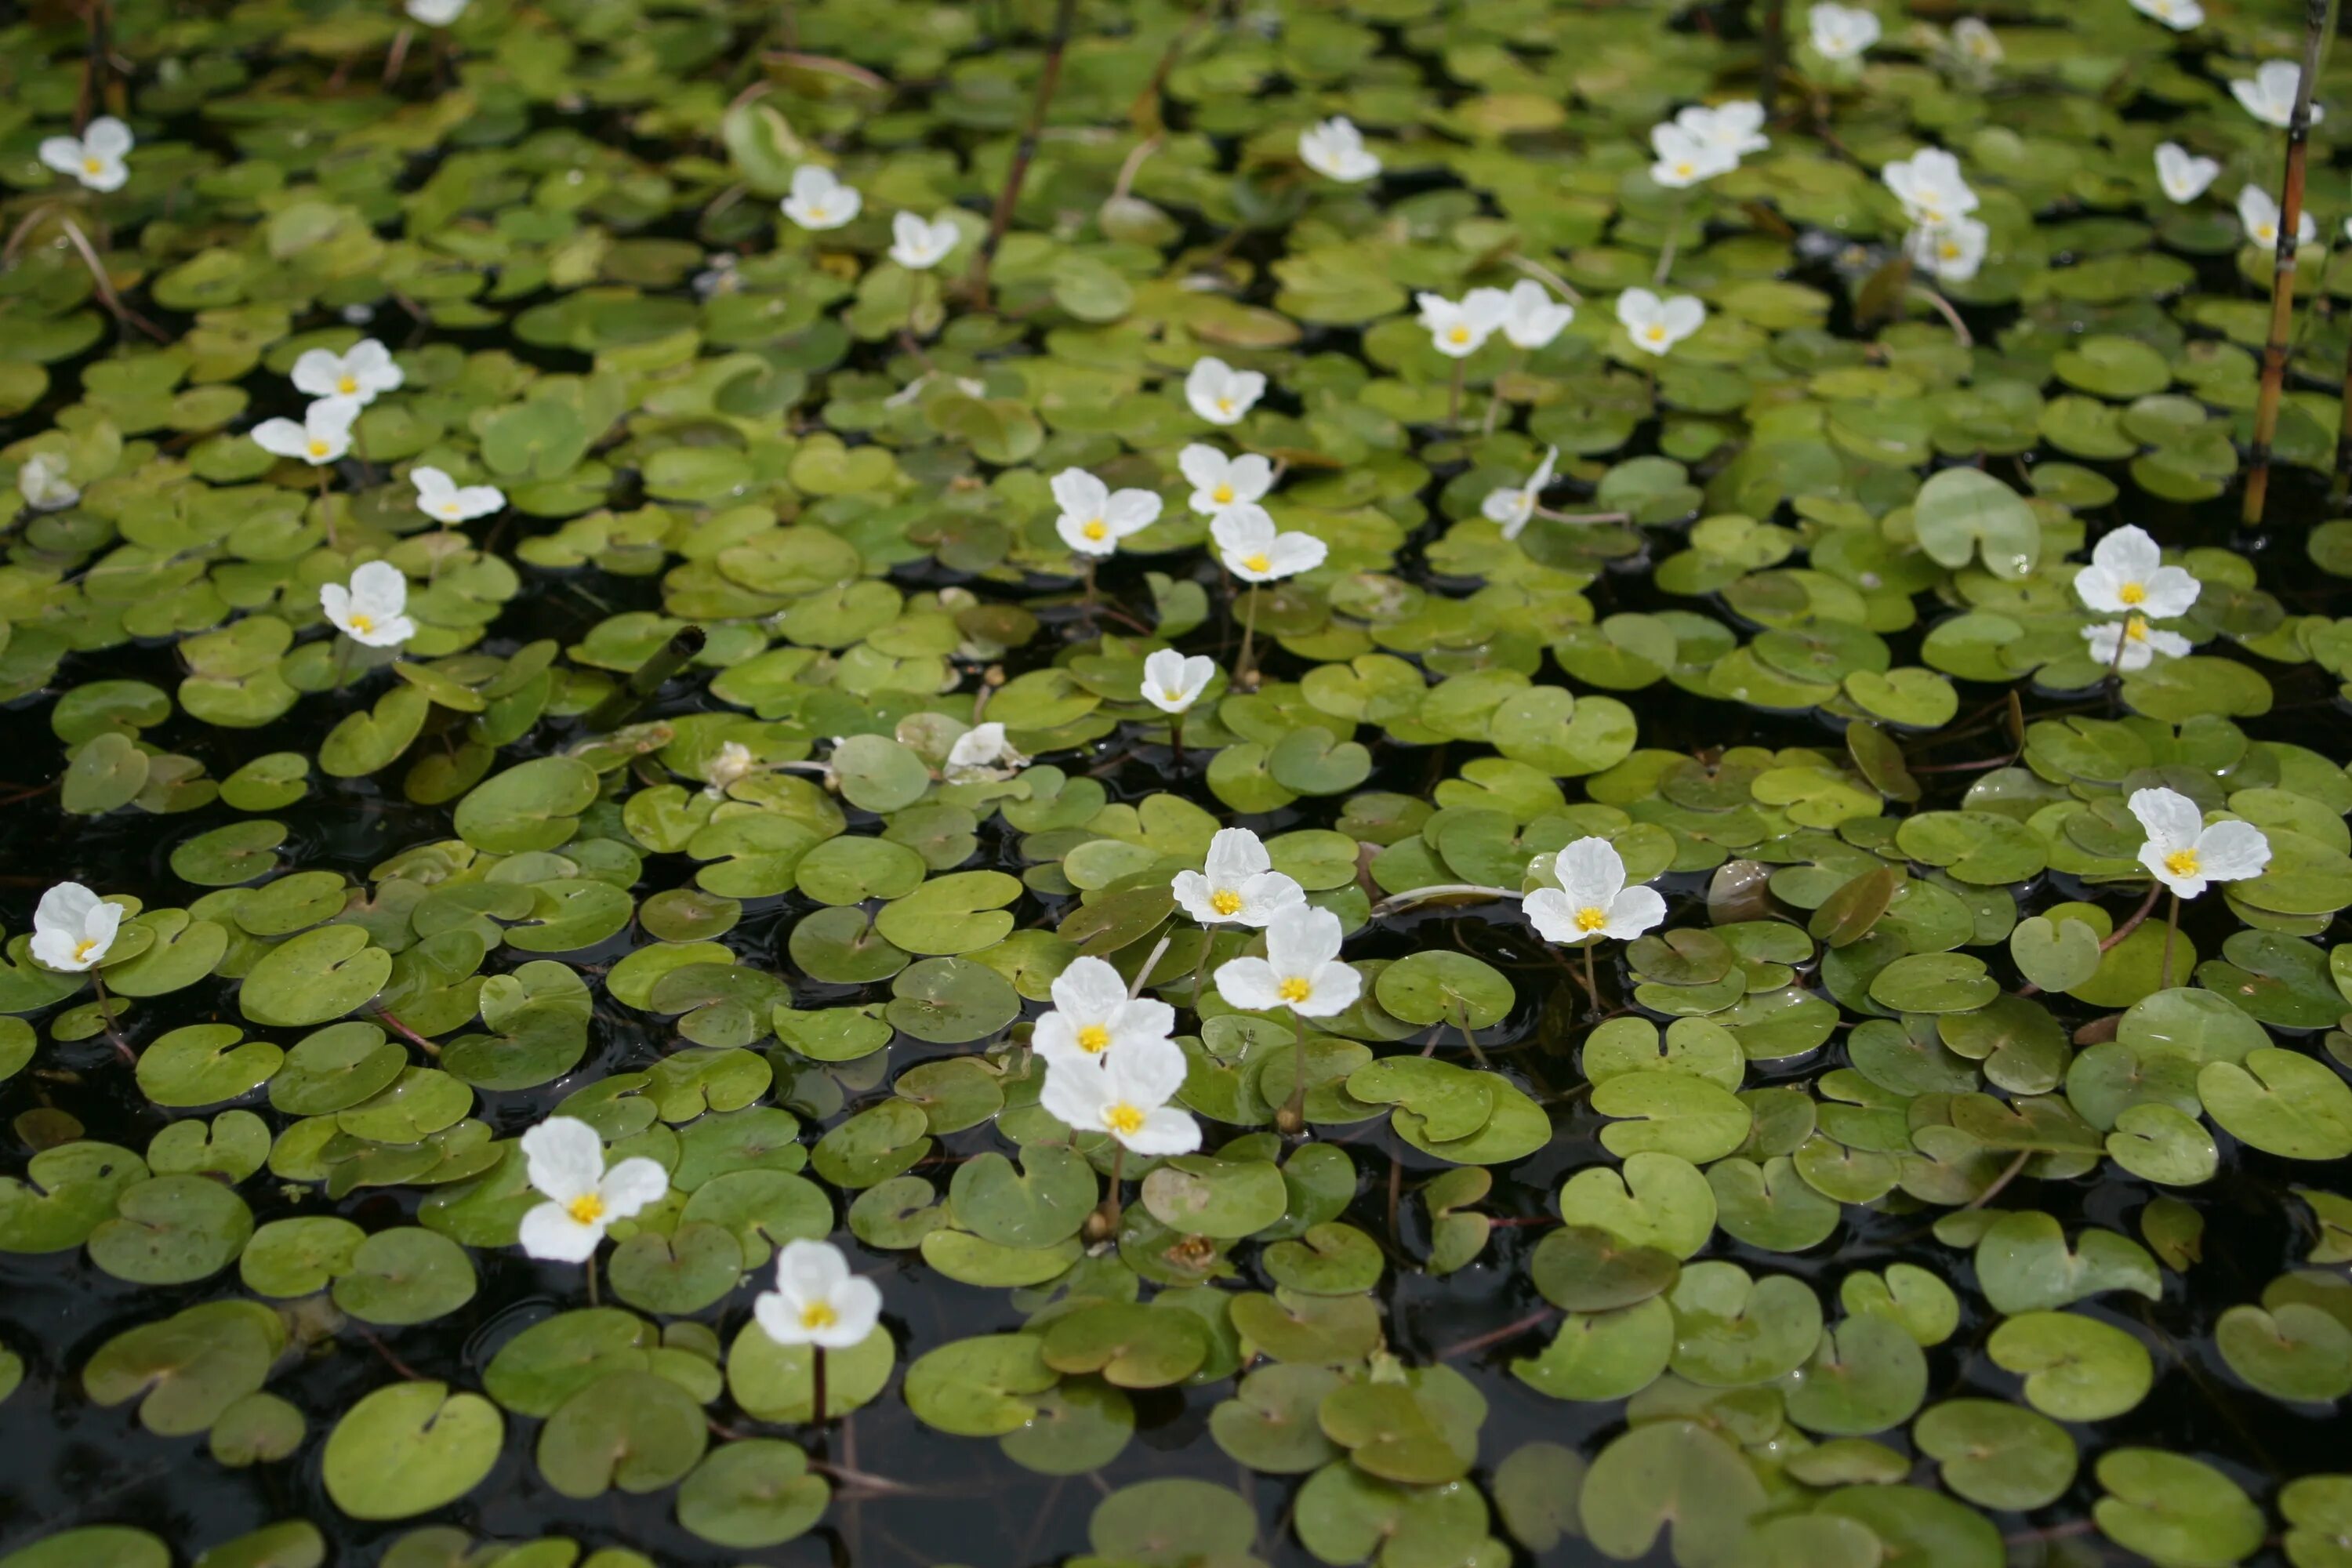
(2290, 224)
(999, 218)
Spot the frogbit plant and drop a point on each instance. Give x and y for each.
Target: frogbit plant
(819, 1303)
(1301, 972)
(565, 1161)
(2185, 854)
(1592, 904)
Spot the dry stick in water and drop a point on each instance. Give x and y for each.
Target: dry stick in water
(1000, 220)
(2290, 222)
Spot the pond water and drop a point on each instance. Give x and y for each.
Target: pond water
(1926, 1188)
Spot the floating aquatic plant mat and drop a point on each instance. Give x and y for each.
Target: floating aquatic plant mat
(878, 782)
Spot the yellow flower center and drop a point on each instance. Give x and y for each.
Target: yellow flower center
(1296, 989)
(83, 948)
(1257, 563)
(1458, 335)
(348, 386)
(317, 448)
(1225, 406)
(819, 1315)
(1094, 528)
(361, 623)
(587, 1208)
(1094, 1039)
(2181, 862)
(449, 509)
(2134, 630)
(1682, 169)
(1656, 334)
(1123, 1119)
(2131, 594)
(93, 166)
(816, 215)
(1170, 694)
(1225, 901)
(1222, 495)
(1951, 250)
(1592, 917)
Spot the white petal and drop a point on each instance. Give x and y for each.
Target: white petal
(2171, 591)
(1235, 853)
(1193, 891)
(810, 1271)
(1165, 1130)
(1634, 911)
(1266, 895)
(1334, 990)
(1554, 918)
(629, 1187)
(2232, 851)
(1249, 984)
(1591, 871)
(1089, 989)
(857, 1306)
(1146, 1072)
(2170, 818)
(1302, 939)
(564, 1158)
(550, 1232)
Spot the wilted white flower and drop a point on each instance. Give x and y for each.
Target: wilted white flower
(918, 243)
(1930, 186)
(2181, 172)
(1657, 325)
(73, 928)
(1172, 683)
(96, 158)
(1239, 883)
(1125, 1093)
(1220, 394)
(565, 1161)
(1334, 148)
(1952, 250)
(1592, 901)
(2132, 644)
(981, 754)
(41, 481)
(437, 13)
(1534, 318)
(1460, 330)
(819, 200)
(444, 500)
(1219, 482)
(732, 765)
(1736, 127)
(1975, 42)
(2259, 216)
(373, 611)
(1842, 32)
(817, 1301)
(2180, 16)
(2269, 94)
(365, 370)
(1513, 508)
(2127, 576)
(1252, 549)
(1684, 159)
(322, 438)
(1301, 969)
(2184, 853)
(1093, 1015)
(1095, 517)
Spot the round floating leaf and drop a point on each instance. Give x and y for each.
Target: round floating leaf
(410, 1448)
(752, 1493)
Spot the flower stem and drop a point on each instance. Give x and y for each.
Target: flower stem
(1176, 740)
(1291, 1119)
(1103, 1223)
(106, 1015)
(1200, 970)
(1453, 397)
(1673, 238)
(816, 1384)
(2171, 930)
(1592, 984)
(1245, 667)
(342, 662)
(591, 1280)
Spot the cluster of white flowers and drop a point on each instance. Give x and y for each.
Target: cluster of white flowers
(339, 385)
(1945, 241)
(1335, 149)
(819, 200)
(1842, 32)
(1112, 1063)
(1701, 142)
(1526, 314)
(99, 158)
(2128, 577)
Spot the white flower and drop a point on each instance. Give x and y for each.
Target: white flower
(2127, 576)
(2259, 216)
(1513, 508)
(1592, 900)
(322, 438)
(1459, 331)
(1172, 683)
(41, 481)
(1737, 128)
(73, 928)
(2269, 94)
(1124, 1093)
(95, 157)
(733, 763)
(1219, 482)
(2132, 644)
(1975, 42)
(1093, 1015)
(1239, 884)
(2184, 853)
(1334, 148)
(1952, 250)
(1095, 517)
(817, 1301)
(1684, 159)
(437, 13)
(1842, 32)
(917, 242)
(1301, 969)
(359, 375)
(981, 754)
(1252, 551)
(1657, 325)
(372, 610)
(2181, 172)
(1930, 186)
(565, 1159)
(444, 500)
(1220, 394)
(2180, 16)
(1533, 317)
(819, 200)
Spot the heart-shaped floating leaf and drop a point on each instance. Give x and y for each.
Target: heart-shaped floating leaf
(1961, 510)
